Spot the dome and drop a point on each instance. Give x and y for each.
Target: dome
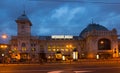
(92, 27)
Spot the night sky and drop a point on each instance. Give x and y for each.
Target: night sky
(52, 17)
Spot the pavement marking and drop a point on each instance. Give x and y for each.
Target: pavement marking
(55, 72)
(71, 71)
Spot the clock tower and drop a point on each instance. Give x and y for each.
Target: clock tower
(23, 25)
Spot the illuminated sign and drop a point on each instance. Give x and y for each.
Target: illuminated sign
(62, 37)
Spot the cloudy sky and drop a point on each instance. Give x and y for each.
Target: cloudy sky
(51, 17)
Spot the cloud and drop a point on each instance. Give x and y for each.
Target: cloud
(65, 14)
(112, 21)
(58, 17)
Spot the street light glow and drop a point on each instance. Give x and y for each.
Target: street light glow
(4, 36)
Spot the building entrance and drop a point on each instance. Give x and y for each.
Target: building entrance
(105, 55)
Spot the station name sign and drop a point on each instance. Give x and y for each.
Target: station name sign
(62, 37)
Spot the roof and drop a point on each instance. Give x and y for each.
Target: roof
(23, 17)
(92, 27)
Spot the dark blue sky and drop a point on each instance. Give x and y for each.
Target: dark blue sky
(62, 17)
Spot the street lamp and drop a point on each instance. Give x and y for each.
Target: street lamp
(4, 36)
(3, 46)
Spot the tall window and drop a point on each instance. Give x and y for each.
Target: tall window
(104, 44)
(23, 45)
(24, 49)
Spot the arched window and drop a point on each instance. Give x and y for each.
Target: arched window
(23, 45)
(104, 44)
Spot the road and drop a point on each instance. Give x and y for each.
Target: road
(60, 68)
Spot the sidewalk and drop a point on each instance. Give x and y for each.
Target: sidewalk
(81, 61)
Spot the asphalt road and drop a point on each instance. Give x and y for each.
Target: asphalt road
(60, 68)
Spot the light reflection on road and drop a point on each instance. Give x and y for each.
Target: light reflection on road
(55, 72)
(69, 71)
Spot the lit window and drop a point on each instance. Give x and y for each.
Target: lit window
(15, 48)
(70, 46)
(67, 46)
(49, 50)
(57, 49)
(49, 47)
(23, 49)
(62, 49)
(66, 50)
(1, 46)
(5, 46)
(54, 50)
(33, 49)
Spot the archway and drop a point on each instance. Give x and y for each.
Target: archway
(104, 45)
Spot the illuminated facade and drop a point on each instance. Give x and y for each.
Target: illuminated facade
(94, 41)
(4, 52)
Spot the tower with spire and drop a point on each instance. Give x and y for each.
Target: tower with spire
(24, 25)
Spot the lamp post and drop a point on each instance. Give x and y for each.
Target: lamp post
(3, 46)
(3, 57)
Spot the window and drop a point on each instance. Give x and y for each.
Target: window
(54, 50)
(15, 48)
(104, 44)
(66, 50)
(23, 44)
(49, 50)
(22, 27)
(33, 44)
(33, 49)
(62, 49)
(24, 49)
